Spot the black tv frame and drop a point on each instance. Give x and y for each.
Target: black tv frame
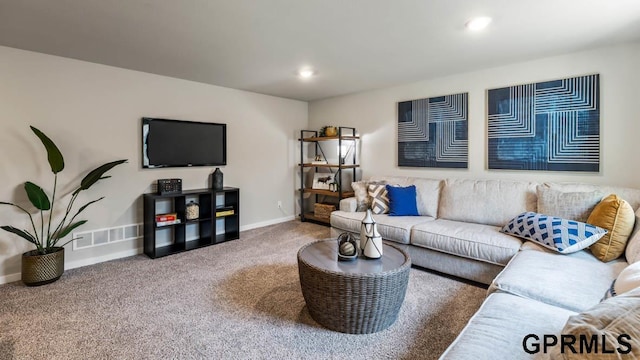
(147, 120)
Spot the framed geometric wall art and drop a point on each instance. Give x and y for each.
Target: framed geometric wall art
(433, 132)
(551, 125)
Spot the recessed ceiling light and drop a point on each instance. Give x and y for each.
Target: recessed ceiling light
(306, 73)
(478, 23)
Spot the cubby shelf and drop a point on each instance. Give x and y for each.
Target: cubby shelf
(206, 223)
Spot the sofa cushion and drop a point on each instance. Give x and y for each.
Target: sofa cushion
(567, 205)
(582, 254)
(473, 241)
(562, 235)
(632, 252)
(607, 321)
(349, 204)
(393, 228)
(615, 215)
(499, 327)
(572, 282)
(402, 200)
(490, 202)
(427, 191)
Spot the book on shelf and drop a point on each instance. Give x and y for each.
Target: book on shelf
(166, 217)
(224, 211)
(169, 222)
(319, 162)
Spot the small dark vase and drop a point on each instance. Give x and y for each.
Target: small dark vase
(217, 179)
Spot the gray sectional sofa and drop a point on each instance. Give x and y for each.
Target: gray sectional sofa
(532, 290)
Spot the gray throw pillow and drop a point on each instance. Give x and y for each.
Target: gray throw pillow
(567, 205)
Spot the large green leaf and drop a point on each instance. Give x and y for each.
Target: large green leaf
(22, 233)
(87, 205)
(56, 161)
(37, 196)
(69, 228)
(96, 174)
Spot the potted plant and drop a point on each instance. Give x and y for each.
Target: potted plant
(45, 264)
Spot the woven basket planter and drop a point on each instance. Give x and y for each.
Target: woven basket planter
(38, 269)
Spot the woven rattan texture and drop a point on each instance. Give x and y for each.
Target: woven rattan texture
(42, 269)
(354, 303)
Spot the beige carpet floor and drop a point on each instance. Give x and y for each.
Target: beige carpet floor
(237, 300)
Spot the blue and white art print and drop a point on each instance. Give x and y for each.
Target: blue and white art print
(433, 132)
(551, 125)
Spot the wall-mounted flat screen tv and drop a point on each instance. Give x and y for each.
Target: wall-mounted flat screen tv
(176, 143)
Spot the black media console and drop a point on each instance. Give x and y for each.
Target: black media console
(217, 208)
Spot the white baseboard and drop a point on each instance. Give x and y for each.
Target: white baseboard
(96, 260)
(267, 223)
(79, 263)
(9, 278)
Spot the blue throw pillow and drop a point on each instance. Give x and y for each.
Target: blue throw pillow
(562, 235)
(402, 201)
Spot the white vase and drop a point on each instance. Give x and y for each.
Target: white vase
(373, 244)
(366, 227)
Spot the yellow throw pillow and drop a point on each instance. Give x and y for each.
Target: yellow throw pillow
(615, 215)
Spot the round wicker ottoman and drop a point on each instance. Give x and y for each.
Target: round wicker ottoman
(356, 297)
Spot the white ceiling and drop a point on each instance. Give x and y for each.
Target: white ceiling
(355, 45)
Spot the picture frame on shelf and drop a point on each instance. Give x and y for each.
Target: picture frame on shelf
(323, 181)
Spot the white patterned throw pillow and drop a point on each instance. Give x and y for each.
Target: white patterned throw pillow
(379, 199)
(562, 235)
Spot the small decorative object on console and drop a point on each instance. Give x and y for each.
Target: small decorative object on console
(169, 186)
(347, 249)
(217, 179)
(192, 211)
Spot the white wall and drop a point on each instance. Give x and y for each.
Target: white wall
(374, 114)
(93, 114)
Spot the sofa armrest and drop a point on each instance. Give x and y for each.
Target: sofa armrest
(349, 204)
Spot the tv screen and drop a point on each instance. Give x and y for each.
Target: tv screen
(174, 143)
